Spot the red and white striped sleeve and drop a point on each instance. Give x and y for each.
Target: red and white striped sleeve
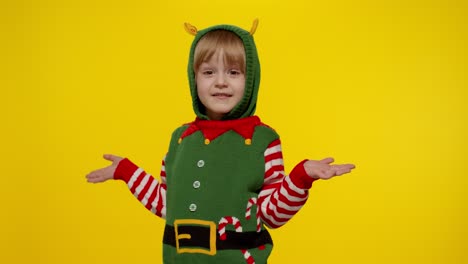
(281, 197)
(148, 190)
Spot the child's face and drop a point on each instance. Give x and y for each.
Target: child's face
(220, 87)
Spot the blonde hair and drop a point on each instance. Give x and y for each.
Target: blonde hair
(211, 42)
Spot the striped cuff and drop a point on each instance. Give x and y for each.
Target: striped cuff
(300, 178)
(125, 170)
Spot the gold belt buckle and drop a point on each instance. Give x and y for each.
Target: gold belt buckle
(211, 225)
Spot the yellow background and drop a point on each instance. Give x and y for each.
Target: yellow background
(382, 84)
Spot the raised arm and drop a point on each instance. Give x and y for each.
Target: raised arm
(149, 191)
(282, 197)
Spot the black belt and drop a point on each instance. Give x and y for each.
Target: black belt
(199, 237)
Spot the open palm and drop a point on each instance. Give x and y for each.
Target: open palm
(107, 173)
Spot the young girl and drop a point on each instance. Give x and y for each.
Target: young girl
(222, 180)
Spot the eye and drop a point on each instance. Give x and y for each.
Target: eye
(207, 72)
(234, 72)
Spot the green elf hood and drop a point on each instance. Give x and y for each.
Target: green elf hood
(246, 107)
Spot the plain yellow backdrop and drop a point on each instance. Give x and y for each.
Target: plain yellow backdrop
(382, 84)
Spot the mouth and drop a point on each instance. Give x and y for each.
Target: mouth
(221, 95)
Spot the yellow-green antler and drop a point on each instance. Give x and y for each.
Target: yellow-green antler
(254, 27)
(192, 30)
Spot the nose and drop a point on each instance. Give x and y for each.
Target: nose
(221, 81)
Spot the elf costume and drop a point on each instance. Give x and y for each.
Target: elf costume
(222, 181)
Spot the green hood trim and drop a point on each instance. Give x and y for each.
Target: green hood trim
(246, 107)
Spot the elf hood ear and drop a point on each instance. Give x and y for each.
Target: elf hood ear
(192, 30)
(254, 27)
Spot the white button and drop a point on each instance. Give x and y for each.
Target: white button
(193, 207)
(200, 163)
(196, 184)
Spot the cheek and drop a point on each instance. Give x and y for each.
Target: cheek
(199, 84)
(202, 89)
(202, 82)
(241, 86)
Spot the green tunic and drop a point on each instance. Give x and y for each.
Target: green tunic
(206, 182)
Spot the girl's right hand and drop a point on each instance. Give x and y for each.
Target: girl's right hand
(106, 173)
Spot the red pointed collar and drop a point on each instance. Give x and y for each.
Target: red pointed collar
(211, 129)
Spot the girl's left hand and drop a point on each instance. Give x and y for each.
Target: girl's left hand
(323, 169)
